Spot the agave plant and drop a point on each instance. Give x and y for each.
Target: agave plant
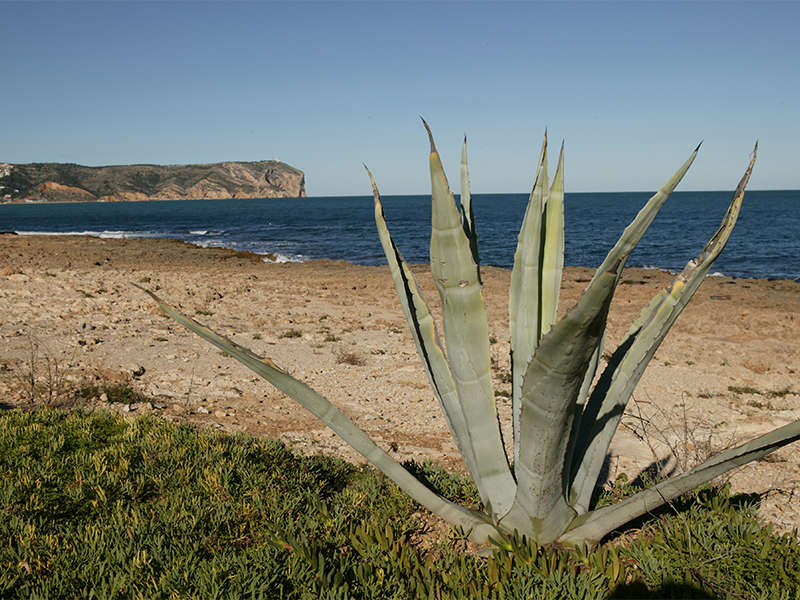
(563, 416)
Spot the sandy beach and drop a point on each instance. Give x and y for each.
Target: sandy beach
(728, 371)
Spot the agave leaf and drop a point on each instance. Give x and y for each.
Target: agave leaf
(467, 214)
(466, 332)
(423, 330)
(607, 403)
(334, 418)
(633, 233)
(552, 383)
(593, 526)
(524, 293)
(625, 245)
(552, 249)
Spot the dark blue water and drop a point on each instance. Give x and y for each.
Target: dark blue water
(765, 243)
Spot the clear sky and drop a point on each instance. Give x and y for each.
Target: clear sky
(631, 87)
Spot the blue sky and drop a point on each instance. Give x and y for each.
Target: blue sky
(631, 87)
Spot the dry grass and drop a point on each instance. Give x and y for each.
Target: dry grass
(347, 357)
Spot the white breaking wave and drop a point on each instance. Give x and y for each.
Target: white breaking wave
(283, 258)
(120, 235)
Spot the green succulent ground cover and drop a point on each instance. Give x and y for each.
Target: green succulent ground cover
(98, 506)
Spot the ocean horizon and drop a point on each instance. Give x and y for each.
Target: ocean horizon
(765, 243)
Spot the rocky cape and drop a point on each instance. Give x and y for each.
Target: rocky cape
(57, 182)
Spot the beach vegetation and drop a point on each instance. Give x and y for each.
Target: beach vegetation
(291, 333)
(96, 505)
(114, 393)
(742, 389)
(348, 357)
(563, 416)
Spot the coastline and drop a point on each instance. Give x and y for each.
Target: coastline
(728, 370)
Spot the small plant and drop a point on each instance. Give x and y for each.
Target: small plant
(743, 389)
(346, 357)
(144, 280)
(201, 311)
(256, 336)
(292, 333)
(331, 338)
(563, 421)
(40, 377)
(85, 294)
(780, 393)
(115, 393)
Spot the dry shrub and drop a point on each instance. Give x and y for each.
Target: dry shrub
(39, 378)
(346, 357)
(689, 439)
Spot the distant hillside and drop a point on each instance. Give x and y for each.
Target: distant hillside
(56, 182)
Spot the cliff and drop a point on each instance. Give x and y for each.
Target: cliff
(56, 182)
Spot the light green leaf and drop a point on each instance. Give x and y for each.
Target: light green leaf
(552, 383)
(552, 249)
(423, 330)
(524, 301)
(466, 333)
(467, 214)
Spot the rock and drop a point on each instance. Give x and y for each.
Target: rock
(135, 370)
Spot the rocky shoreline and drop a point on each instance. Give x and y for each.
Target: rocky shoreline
(729, 369)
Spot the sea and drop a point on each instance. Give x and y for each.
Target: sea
(764, 244)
